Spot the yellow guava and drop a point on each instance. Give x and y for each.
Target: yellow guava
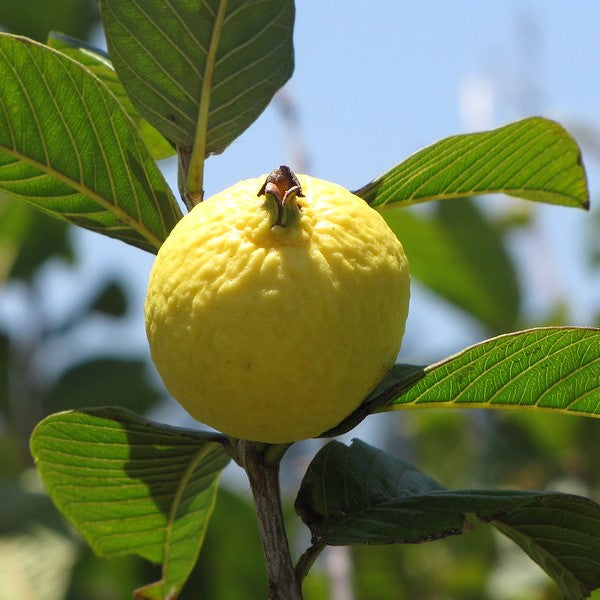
(274, 308)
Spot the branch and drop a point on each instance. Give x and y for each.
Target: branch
(264, 482)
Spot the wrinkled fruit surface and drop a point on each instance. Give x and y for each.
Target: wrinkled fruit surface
(273, 333)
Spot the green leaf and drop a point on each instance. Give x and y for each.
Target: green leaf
(132, 486)
(458, 254)
(23, 509)
(212, 65)
(38, 17)
(231, 552)
(562, 534)
(361, 495)
(110, 300)
(549, 368)
(69, 148)
(4, 374)
(28, 238)
(13, 227)
(535, 159)
(99, 64)
(100, 381)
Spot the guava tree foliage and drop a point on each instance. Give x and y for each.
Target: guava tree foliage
(80, 132)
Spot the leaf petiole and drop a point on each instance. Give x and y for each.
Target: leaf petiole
(194, 188)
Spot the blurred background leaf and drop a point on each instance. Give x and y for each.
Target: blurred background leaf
(457, 252)
(231, 552)
(110, 300)
(4, 367)
(45, 238)
(28, 238)
(75, 17)
(102, 382)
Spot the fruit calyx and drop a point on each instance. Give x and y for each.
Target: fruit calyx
(281, 189)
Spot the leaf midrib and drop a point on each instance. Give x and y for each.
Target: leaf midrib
(549, 332)
(84, 190)
(185, 477)
(195, 178)
(524, 346)
(415, 172)
(558, 335)
(412, 200)
(45, 168)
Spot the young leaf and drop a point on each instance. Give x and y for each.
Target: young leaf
(132, 486)
(358, 494)
(481, 279)
(99, 64)
(212, 65)
(69, 148)
(535, 159)
(549, 368)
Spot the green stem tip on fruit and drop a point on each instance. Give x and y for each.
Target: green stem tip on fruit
(281, 189)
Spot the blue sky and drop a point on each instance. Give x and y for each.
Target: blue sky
(381, 78)
(376, 80)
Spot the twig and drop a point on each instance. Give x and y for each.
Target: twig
(264, 482)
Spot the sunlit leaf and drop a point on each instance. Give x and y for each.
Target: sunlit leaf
(358, 494)
(534, 159)
(99, 64)
(132, 486)
(549, 368)
(69, 148)
(211, 63)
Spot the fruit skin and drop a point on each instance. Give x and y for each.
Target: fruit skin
(272, 333)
